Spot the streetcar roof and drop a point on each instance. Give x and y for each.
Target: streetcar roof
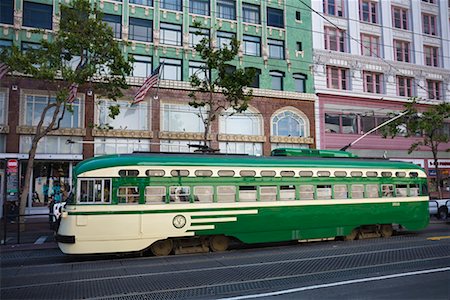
(189, 159)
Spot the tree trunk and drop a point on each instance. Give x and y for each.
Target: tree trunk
(438, 175)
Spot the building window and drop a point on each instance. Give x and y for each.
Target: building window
(334, 39)
(431, 56)
(171, 4)
(275, 17)
(226, 9)
(430, 1)
(141, 30)
(35, 105)
(369, 11)
(370, 45)
(7, 12)
(434, 89)
(178, 145)
(341, 123)
(333, 7)
(36, 15)
(196, 35)
(130, 117)
(142, 2)
(199, 7)
(373, 82)
(276, 49)
(252, 45)
(170, 34)
(337, 78)
(172, 69)
(276, 80)
(105, 146)
(115, 22)
(402, 52)
(181, 118)
(5, 45)
(224, 39)
(288, 123)
(404, 86)
(198, 68)
(142, 66)
(298, 16)
(429, 24)
(299, 46)
(250, 13)
(300, 82)
(241, 148)
(2, 108)
(400, 17)
(255, 82)
(248, 122)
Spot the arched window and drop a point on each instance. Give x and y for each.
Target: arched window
(288, 123)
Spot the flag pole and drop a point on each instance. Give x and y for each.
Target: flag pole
(159, 79)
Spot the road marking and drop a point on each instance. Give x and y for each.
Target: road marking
(438, 238)
(41, 240)
(313, 287)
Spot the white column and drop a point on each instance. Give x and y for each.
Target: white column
(444, 20)
(386, 40)
(417, 46)
(353, 26)
(317, 25)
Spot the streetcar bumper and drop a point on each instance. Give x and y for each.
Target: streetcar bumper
(65, 239)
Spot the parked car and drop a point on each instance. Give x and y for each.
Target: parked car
(439, 208)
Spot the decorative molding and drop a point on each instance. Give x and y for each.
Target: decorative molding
(122, 133)
(292, 140)
(241, 138)
(24, 129)
(4, 129)
(168, 135)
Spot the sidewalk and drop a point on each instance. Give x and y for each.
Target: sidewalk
(37, 234)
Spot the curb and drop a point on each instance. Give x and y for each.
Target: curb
(24, 247)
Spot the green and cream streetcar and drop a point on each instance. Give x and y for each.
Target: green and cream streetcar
(176, 202)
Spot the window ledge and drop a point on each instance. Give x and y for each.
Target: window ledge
(122, 133)
(25, 129)
(241, 138)
(168, 135)
(292, 140)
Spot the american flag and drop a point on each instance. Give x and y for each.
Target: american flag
(3, 69)
(72, 93)
(151, 81)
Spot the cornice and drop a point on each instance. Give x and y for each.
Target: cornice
(292, 140)
(167, 135)
(26, 130)
(241, 138)
(122, 133)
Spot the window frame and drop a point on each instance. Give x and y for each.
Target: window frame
(335, 39)
(277, 75)
(400, 15)
(404, 86)
(111, 21)
(369, 43)
(431, 56)
(342, 78)
(279, 46)
(229, 6)
(434, 88)
(7, 12)
(334, 8)
(198, 10)
(37, 15)
(404, 50)
(166, 29)
(175, 5)
(103, 186)
(254, 12)
(275, 17)
(249, 42)
(429, 24)
(375, 84)
(371, 15)
(140, 25)
(127, 195)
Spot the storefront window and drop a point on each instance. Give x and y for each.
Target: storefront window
(130, 117)
(105, 146)
(50, 183)
(53, 145)
(181, 118)
(248, 122)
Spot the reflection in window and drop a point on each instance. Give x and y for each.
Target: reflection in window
(171, 4)
(226, 194)
(105, 146)
(140, 30)
(170, 34)
(247, 193)
(181, 118)
(252, 45)
(199, 7)
(275, 17)
(35, 15)
(115, 22)
(172, 69)
(142, 66)
(130, 117)
(276, 80)
(179, 194)
(224, 39)
(226, 9)
(248, 122)
(250, 13)
(300, 82)
(203, 194)
(268, 193)
(155, 194)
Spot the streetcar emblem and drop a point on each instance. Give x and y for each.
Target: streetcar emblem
(179, 221)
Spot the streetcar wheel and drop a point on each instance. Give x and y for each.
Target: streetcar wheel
(442, 213)
(386, 230)
(218, 243)
(162, 247)
(351, 236)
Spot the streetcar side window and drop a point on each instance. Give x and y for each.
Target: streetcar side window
(129, 173)
(247, 173)
(287, 173)
(357, 191)
(247, 193)
(424, 189)
(94, 191)
(268, 173)
(372, 191)
(401, 190)
(226, 194)
(128, 194)
(225, 173)
(268, 193)
(340, 191)
(387, 190)
(340, 174)
(413, 190)
(203, 173)
(307, 192)
(179, 194)
(324, 192)
(155, 194)
(203, 194)
(287, 192)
